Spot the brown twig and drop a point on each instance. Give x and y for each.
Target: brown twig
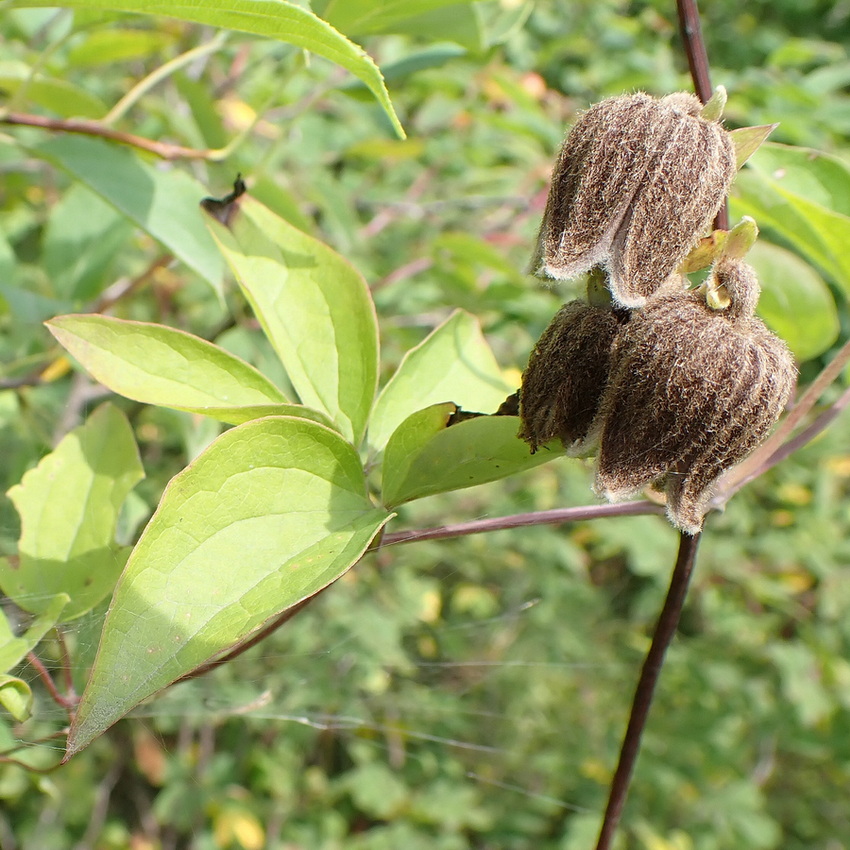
(665, 628)
(68, 703)
(690, 30)
(164, 150)
(559, 515)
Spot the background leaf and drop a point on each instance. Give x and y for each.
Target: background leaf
(279, 20)
(163, 203)
(69, 508)
(795, 302)
(803, 197)
(315, 309)
(423, 457)
(14, 647)
(272, 512)
(453, 363)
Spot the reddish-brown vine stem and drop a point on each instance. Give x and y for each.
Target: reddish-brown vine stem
(665, 628)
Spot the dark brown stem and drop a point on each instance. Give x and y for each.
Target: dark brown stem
(665, 628)
(694, 44)
(93, 128)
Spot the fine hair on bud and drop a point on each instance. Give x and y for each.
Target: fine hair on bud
(566, 374)
(692, 391)
(636, 183)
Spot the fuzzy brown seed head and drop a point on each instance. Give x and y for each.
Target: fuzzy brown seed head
(636, 183)
(692, 391)
(566, 374)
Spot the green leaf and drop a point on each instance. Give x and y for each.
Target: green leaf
(13, 648)
(747, 140)
(804, 196)
(69, 508)
(270, 514)
(16, 697)
(795, 302)
(115, 44)
(424, 457)
(315, 309)
(442, 19)
(276, 19)
(163, 203)
(454, 363)
(58, 96)
(155, 364)
(82, 237)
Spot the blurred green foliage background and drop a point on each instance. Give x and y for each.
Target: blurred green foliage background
(468, 693)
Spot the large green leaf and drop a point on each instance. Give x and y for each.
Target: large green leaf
(436, 19)
(454, 363)
(803, 196)
(268, 18)
(162, 203)
(155, 364)
(69, 508)
(424, 457)
(272, 512)
(795, 301)
(315, 309)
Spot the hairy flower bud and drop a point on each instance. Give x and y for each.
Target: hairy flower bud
(636, 183)
(566, 374)
(692, 390)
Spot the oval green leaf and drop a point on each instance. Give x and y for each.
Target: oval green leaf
(795, 302)
(16, 697)
(424, 457)
(155, 364)
(314, 307)
(270, 514)
(453, 363)
(69, 507)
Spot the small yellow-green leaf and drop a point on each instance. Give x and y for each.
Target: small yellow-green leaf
(747, 140)
(422, 458)
(16, 697)
(453, 363)
(271, 513)
(13, 647)
(155, 364)
(69, 508)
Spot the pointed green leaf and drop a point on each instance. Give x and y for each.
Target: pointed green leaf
(16, 697)
(276, 19)
(454, 363)
(315, 309)
(69, 508)
(423, 457)
(13, 648)
(795, 302)
(155, 364)
(164, 203)
(270, 514)
(747, 140)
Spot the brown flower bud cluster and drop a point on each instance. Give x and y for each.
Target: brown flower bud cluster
(636, 182)
(681, 387)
